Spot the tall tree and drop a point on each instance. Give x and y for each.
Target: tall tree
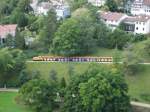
(49, 28)
(112, 5)
(39, 95)
(118, 38)
(75, 35)
(19, 40)
(97, 90)
(11, 64)
(24, 6)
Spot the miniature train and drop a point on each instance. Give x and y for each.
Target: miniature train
(72, 59)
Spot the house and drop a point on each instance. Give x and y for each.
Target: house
(61, 8)
(62, 11)
(6, 30)
(112, 19)
(97, 3)
(137, 24)
(139, 7)
(43, 8)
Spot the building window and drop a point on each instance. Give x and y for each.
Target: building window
(137, 28)
(143, 29)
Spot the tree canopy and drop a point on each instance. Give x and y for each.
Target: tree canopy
(97, 90)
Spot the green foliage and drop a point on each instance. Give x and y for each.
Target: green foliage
(53, 75)
(19, 40)
(7, 6)
(24, 6)
(102, 34)
(131, 61)
(39, 95)
(75, 35)
(112, 5)
(22, 20)
(119, 39)
(11, 64)
(9, 41)
(63, 83)
(46, 34)
(147, 47)
(75, 4)
(97, 90)
(26, 76)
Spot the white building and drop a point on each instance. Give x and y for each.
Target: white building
(61, 8)
(140, 7)
(5, 30)
(137, 24)
(62, 11)
(97, 3)
(43, 8)
(112, 19)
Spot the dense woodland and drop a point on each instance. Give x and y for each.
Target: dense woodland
(77, 35)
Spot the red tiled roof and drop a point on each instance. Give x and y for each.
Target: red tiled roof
(111, 16)
(146, 2)
(7, 29)
(140, 18)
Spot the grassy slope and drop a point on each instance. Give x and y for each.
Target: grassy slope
(138, 84)
(8, 104)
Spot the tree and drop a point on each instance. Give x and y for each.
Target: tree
(24, 6)
(131, 61)
(119, 39)
(26, 76)
(71, 70)
(147, 47)
(19, 40)
(75, 4)
(39, 95)
(97, 90)
(46, 35)
(62, 87)
(53, 75)
(74, 37)
(9, 41)
(11, 64)
(63, 83)
(6, 65)
(22, 20)
(112, 5)
(102, 34)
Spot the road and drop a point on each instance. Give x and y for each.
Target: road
(9, 90)
(81, 62)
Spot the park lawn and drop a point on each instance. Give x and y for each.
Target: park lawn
(107, 52)
(138, 84)
(8, 103)
(61, 68)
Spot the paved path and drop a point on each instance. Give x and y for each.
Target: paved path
(140, 104)
(8, 90)
(132, 102)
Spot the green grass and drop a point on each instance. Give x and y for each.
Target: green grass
(8, 103)
(106, 52)
(138, 84)
(61, 68)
